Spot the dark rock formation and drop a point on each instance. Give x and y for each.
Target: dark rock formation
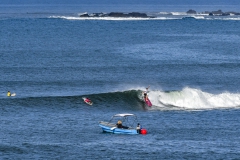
(136, 14)
(84, 15)
(117, 14)
(220, 13)
(191, 12)
(225, 14)
(133, 14)
(211, 14)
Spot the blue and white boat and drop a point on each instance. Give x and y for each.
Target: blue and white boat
(130, 124)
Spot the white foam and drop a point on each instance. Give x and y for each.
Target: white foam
(112, 18)
(199, 17)
(165, 13)
(190, 98)
(223, 18)
(233, 19)
(99, 18)
(178, 13)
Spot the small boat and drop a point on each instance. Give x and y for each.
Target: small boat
(129, 120)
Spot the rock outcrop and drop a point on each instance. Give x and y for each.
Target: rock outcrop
(117, 14)
(220, 13)
(214, 13)
(191, 11)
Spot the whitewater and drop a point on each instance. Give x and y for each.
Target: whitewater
(194, 99)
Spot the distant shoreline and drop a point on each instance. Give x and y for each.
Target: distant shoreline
(144, 15)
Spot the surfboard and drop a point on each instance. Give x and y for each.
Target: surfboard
(11, 95)
(148, 102)
(85, 100)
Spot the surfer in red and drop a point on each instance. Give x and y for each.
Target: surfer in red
(145, 96)
(88, 100)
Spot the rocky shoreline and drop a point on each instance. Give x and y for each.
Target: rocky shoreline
(144, 15)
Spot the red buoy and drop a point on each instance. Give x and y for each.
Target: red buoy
(143, 131)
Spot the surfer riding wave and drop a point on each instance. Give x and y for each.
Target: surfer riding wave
(145, 97)
(145, 93)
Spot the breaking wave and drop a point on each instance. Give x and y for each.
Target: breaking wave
(185, 99)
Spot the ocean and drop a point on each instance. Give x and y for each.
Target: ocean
(51, 58)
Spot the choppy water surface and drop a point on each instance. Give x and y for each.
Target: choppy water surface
(52, 59)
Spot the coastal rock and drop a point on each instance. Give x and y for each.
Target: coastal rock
(191, 11)
(133, 14)
(210, 14)
(136, 14)
(117, 14)
(220, 13)
(225, 14)
(233, 13)
(84, 15)
(216, 13)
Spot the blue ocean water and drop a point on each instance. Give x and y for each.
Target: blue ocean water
(51, 58)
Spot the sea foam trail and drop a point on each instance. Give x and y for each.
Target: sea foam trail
(189, 98)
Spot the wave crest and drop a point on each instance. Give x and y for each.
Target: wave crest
(189, 98)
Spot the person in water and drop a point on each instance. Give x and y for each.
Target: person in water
(8, 93)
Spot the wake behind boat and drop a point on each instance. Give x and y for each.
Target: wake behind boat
(129, 120)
